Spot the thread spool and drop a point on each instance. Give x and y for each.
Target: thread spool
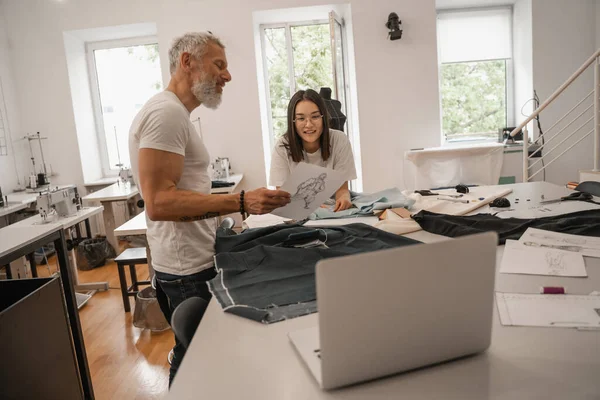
(553, 290)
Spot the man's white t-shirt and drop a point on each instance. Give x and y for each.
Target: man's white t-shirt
(340, 159)
(163, 123)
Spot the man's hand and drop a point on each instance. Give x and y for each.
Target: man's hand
(263, 201)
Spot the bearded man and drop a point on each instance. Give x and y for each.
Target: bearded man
(170, 165)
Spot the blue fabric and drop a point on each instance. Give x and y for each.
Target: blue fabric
(365, 204)
(262, 279)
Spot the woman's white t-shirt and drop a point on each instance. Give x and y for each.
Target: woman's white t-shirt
(340, 159)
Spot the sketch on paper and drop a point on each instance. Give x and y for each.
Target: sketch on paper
(309, 189)
(580, 241)
(585, 245)
(309, 186)
(572, 248)
(555, 262)
(564, 311)
(519, 258)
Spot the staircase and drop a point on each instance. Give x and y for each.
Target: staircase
(536, 162)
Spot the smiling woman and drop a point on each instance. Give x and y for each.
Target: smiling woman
(309, 139)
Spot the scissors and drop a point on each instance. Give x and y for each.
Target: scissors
(426, 193)
(430, 193)
(581, 196)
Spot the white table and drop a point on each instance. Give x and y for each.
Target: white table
(12, 207)
(235, 178)
(12, 237)
(137, 226)
(65, 223)
(101, 182)
(134, 227)
(232, 357)
(115, 192)
(18, 201)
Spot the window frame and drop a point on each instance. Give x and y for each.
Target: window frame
(290, 60)
(509, 79)
(90, 47)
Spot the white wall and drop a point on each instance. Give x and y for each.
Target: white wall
(564, 37)
(396, 81)
(523, 62)
(10, 114)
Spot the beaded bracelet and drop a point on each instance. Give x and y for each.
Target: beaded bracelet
(242, 211)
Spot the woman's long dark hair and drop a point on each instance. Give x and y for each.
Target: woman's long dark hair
(294, 145)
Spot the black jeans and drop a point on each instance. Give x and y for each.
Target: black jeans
(171, 290)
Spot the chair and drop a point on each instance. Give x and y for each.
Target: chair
(131, 257)
(186, 318)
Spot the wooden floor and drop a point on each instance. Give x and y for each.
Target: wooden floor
(125, 362)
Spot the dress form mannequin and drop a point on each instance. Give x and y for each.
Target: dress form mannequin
(334, 108)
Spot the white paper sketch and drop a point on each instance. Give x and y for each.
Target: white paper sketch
(585, 245)
(309, 189)
(556, 265)
(549, 310)
(519, 258)
(309, 185)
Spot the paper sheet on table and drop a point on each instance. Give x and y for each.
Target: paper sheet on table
(309, 185)
(262, 221)
(519, 258)
(585, 245)
(548, 310)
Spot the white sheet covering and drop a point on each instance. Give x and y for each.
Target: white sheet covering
(449, 166)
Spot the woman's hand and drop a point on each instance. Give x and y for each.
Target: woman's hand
(342, 203)
(342, 198)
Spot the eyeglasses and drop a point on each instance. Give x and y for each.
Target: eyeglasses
(313, 118)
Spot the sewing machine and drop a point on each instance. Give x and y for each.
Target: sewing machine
(220, 168)
(125, 175)
(64, 201)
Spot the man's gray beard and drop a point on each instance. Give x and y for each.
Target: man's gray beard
(206, 93)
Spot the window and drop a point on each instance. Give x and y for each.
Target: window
(475, 73)
(124, 75)
(298, 57)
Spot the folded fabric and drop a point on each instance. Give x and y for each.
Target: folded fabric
(260, 279)
(585, 223)
(365, 204)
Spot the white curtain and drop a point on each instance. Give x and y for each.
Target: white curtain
(458, 43)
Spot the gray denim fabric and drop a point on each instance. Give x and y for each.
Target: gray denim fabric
(261, 279)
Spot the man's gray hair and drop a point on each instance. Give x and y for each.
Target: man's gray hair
(194, 43)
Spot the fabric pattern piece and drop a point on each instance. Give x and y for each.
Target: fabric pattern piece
(585, 223)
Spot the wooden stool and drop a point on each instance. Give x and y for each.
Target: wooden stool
(131, 257)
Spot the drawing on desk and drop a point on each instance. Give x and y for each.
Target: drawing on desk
(548, 310)
(585, 245)
(310, 186)
(556, 266)
(520, 258)
(309, 189)
(577, 240)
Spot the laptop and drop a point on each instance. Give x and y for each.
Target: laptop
(395, 310)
